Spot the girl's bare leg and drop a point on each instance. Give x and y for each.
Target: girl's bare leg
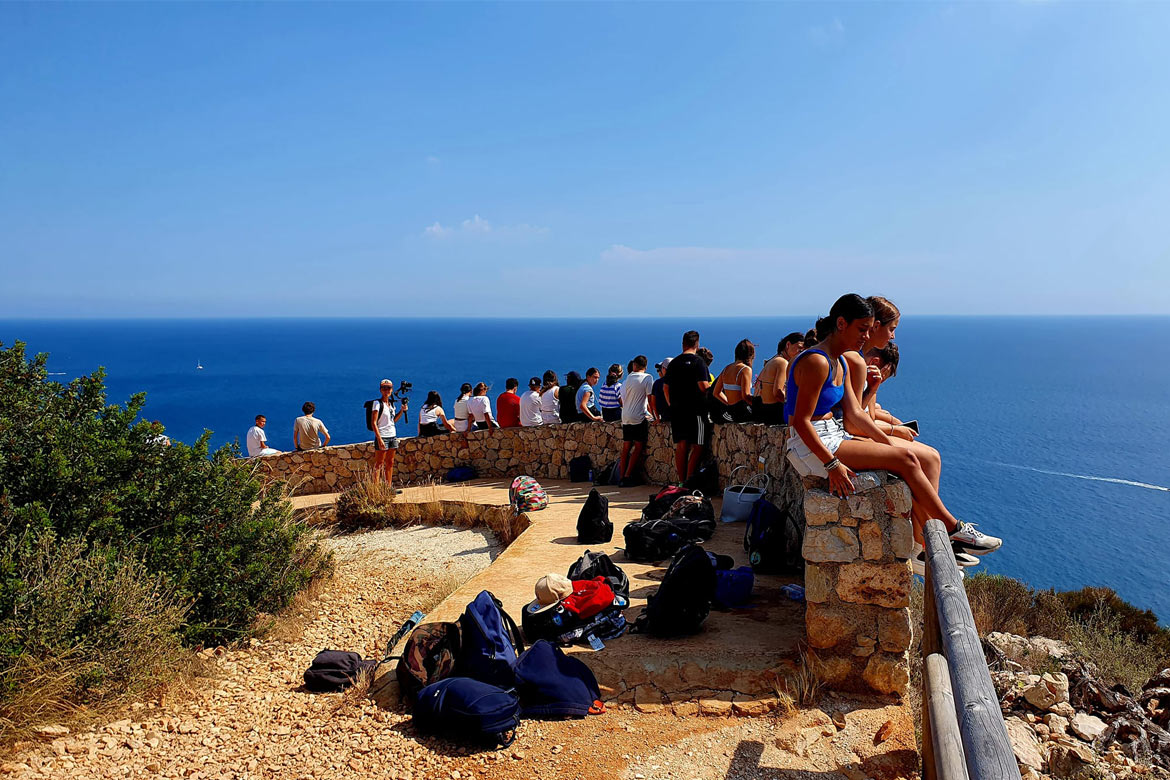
(931, 462)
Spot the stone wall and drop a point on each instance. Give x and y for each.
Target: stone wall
(856, 550)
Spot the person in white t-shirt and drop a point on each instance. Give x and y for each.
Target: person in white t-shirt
(479, 409)
(257, 440)
(461, 408)
(637, 412)
(530, 404)
(382, 419)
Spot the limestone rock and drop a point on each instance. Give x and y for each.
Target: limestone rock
(718, 706)
(820, 507)
(894, 630)
(1087, 727)
(860, 507)
(647, 699)
(834, 544)
(887, 674)
(885, 585)
(899, 499)
(871, 541)
(868, 480)
(1029, 651)
(901, 537)
(49, 733)
(1056, 723)
(1067, 760)
(1025, 746)
(818, 583)
(1039, 695)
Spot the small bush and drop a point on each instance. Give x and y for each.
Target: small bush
(1001, 603)
(1120, 655)
(365, 503)
(115, 548)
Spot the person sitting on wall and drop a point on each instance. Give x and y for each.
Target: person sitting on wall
(308, 430)
(461, 424)
(732, 393)
(530, 415)
(609, 396)
(567, 398)
(479, 409)
(257, 440)
(885, 362)
(686, 382)
(432, 421)
(708, 359)
(768, 403)
(508, 404)
(637, 412)
(550, 399)
(818, 443)
(661, 408)
(585, 394)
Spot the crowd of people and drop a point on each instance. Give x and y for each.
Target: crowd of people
(823, 384)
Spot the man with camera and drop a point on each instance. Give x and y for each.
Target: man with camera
(382, 419)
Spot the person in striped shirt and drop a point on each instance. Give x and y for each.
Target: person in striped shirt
(609, 398)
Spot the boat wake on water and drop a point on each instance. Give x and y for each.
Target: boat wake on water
(1089, 477)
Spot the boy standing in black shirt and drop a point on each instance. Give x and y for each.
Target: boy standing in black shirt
(685, 387)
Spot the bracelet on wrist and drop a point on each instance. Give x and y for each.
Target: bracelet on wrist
(831, 464)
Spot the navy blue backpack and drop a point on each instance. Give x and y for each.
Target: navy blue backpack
(469, 711)
(554, 685)
(491, 642)
(773, 540)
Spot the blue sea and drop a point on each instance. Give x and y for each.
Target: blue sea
(1053, 431)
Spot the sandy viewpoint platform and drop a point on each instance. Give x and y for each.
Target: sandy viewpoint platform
(730, 665)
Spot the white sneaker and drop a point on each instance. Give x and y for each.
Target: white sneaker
(970, 540)
(918, 562)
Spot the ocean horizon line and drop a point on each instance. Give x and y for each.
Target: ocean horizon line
(558, 318)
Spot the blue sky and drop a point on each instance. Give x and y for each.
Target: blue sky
(641, 159)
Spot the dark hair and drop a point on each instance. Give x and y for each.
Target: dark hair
(810, 336)
(745, 351)
(534, 382)
(639, 361)
(884, 311)
(480, 387)
(433, 400)
(511, 382)
(706, 355)
(260, 417)
(613, 375)
(888, 355)
(308, 407)
(630, 367)
(592, 370)
(849, 307)
(573, 379)
(464, 388)
(690, 339)
(550, 379)
(791, 338)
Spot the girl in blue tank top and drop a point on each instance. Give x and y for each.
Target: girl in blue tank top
(818, 443)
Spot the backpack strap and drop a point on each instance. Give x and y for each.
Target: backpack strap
(517, 637)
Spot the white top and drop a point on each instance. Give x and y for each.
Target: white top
(550, 410)
(429, 414)
(635, 392)
(478, 408)
(256, 440)
(385, 421)
(530, 409)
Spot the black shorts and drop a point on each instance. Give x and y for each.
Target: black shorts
(639, 432)
(611, 413)
(769, 414)
(690, 428)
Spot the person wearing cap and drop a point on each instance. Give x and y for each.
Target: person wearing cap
(661, 409)
(732, 393)
(637, 412)
(530, 404)
(382, 419)
(508, 405)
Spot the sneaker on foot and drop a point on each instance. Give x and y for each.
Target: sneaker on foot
(918, 562)
(971, 540)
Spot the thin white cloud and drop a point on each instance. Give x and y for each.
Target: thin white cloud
(479, 228)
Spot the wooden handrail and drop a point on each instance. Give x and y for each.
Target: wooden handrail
(950, 627)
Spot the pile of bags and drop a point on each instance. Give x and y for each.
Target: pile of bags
(585, 605)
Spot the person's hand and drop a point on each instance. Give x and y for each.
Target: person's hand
(405, 404)
(902, 432)
(873, 377)
(841, 481)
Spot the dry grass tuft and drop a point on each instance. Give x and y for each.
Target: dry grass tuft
(802, 685)
(367, 502)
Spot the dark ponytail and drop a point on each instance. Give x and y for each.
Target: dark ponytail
(850, 306)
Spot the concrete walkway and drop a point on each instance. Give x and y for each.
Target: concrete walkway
(724, 666)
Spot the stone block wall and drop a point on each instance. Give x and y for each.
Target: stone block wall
(857, 582)
(857, 577)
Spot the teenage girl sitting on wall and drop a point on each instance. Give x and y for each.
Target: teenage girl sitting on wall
(733, 387)
(818, 443)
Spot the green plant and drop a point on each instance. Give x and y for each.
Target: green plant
(112, 544)
(365, 503)
(1121, 655)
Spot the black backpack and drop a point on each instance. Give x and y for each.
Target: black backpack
(705, 479)
(661, 502)
(694, 517)
(579, 468)
(683, 600)
(598, 564)
(369, 405)
(652, 540)
(608, 475)
(335, 670)
(593, 524)
(773, 540)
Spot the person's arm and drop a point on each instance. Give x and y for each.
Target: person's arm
(858, 419)
(446, 423)
(652, 404)
(402, 410)
(810, 376)
(296, 437)
(718, 391)
(746, 385)
(325, 431)
(375, 413)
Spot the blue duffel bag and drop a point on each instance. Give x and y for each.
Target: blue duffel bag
(469, 711)
(733, 587)
(554, 685)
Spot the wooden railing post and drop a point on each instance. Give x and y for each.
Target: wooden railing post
(986, 747)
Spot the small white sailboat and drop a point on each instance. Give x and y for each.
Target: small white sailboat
(198, 365)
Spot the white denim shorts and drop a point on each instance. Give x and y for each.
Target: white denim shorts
(831, 433)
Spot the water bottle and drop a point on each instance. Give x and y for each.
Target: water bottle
(794, 592)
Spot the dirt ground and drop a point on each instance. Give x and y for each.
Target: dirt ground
(251, 717)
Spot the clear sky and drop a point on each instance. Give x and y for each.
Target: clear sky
(447, 159)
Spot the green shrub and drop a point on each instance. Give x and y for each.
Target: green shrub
(191, 529)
